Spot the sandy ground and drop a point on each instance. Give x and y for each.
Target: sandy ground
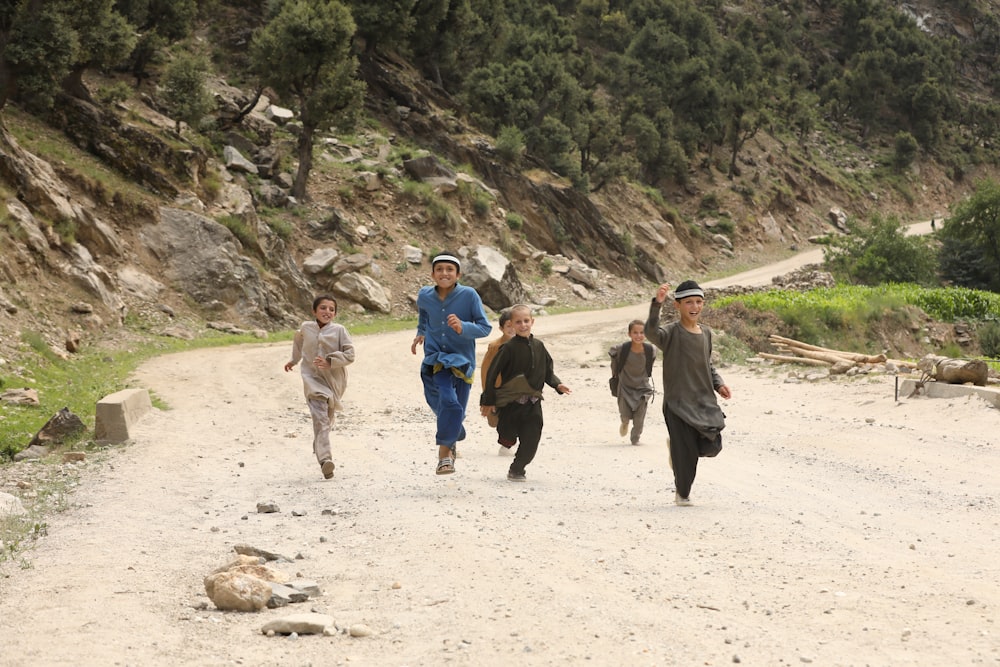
(839, 526)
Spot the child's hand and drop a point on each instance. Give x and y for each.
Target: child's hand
(320, 362)
(419, 340)
(486, 410)
(661, 294)
(289, 366)
(455, 323)
(724, 392)
(563, 389)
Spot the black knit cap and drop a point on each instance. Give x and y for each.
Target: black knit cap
(688, 288)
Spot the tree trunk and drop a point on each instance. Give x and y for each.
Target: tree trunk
(305, 162)
(955, 371)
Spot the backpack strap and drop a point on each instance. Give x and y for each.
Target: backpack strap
(650, 358)
(619, 355)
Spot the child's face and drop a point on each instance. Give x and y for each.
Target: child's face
(445, 275)
(508, 329)
(325, 311)
(521, 321)
(637, 333)
(690, 307)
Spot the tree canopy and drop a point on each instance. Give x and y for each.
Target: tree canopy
(304, 53)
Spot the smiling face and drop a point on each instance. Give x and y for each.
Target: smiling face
(521, 320)
(637, 332)
(445, 275)
(324, 311)
(689, 308)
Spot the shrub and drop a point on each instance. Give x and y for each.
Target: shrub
(114, 94)
(989, 339)
(881, 253)
(510, 144)
(515, 221)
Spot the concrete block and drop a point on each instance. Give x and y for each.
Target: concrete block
(118, 412)
(944, 390)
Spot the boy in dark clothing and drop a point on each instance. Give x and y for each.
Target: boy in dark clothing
(694, 418)
(525, 367)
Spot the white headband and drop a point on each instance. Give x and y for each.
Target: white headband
(691, 291)
(447, 258)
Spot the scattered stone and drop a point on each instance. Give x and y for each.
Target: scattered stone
(269, 507)
(74, 457)
(25, 396)
(301, 624)
(306, 586)
(235, 591)
(360, 630)
(298, 513)
(10, 505)
(31, 452)
(283, 595)
(247, 550)
(238, 561)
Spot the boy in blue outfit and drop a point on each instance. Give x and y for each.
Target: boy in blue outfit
(451, 318)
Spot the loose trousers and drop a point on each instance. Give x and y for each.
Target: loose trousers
(319, 408)
(447, 395)
(522, 422)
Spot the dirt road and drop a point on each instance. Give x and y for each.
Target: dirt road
(837, 527)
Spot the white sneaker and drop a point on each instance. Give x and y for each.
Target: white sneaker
(683, 502)
(623, 429)
(505, 451)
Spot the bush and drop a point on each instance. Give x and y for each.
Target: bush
(989, 339)
(510, 144)
(880, 254)
(515, 221)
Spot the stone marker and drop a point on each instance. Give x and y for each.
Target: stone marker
(118, 412)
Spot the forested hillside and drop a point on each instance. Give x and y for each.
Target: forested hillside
(633, 137)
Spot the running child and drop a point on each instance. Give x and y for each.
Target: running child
(325, 349)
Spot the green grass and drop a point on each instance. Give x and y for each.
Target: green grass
(40, 139)
(845, 303)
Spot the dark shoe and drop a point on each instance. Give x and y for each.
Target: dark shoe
(516, 477)
(327, 468)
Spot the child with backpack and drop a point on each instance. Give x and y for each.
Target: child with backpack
(632, 379)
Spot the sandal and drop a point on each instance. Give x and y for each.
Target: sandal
(446, 466)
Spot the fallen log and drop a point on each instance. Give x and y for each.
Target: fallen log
(792, 360)
(798, 346)
(955, 371)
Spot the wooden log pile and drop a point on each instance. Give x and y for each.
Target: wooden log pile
(932, 367)
(791, 351)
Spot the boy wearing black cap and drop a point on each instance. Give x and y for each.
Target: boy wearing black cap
(451, 318)
(690, 382)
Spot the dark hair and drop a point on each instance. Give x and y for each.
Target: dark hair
(321, 298)
(635, 322)
(504, 317)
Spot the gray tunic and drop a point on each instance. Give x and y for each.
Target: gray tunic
(634, 386)
(689, 378)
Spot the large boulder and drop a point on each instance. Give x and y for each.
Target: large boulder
(202, 258)
(491, 274)
(364, 290)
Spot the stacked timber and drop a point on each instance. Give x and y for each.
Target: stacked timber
(791, 351)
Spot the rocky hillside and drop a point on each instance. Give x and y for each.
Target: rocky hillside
(113, 221)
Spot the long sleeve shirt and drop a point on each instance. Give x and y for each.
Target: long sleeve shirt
(526, 367)
(441, 344)
(689, 378)
(331, 342)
